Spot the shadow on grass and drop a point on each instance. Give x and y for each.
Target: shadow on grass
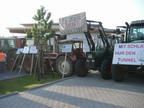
(23, 83)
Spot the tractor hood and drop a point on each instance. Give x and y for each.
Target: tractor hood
(138, 41)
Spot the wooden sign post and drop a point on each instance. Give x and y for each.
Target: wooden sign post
(32, 51)
(18, 52)
(25, 51)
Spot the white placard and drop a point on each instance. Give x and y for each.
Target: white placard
(73, 24)
(33, 50)
(20, 50)
(66, 47)
(30, 42)
(26, 50)
(129, 54)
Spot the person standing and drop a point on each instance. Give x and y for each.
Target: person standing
(2, 61)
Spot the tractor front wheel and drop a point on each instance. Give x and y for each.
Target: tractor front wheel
(64, 67)
(118, 73)
(106, 69)
(80, 68)
(10, 62)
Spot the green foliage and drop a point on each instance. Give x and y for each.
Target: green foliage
(23, 83)
(41, 31)
(29, 34)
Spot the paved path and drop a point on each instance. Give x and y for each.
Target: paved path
(7, 74)
(87, 92)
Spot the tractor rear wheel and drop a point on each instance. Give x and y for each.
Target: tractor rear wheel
(118, 73)
(80, 68)
(10, 63)
(106, 69)
(64, 67)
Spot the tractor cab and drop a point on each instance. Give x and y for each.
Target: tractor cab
(7, 43)
(135, 32)
(134, 37)
(76, 47)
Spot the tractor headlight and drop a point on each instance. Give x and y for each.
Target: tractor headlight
(89, 56)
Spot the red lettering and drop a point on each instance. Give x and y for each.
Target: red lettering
(127, 60)
(119, 53)
(130, 53)
(135, 46)
(122, 46)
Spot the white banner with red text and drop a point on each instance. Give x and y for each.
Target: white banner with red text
(129, 54)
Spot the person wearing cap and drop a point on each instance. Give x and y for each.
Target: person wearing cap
(2, 60)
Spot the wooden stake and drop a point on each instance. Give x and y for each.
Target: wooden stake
(31, 64)
(14, 63)
(22, 63)
(64, 65)
(35, 66)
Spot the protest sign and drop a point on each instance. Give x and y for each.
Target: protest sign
(66, 47)
(33, 50)
(129, 54)
(20, 50)
(26, 50)
(73, 24)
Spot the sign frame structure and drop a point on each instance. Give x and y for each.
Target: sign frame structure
(129, 54)
(18, 52)
(66, 48)
(73, 24)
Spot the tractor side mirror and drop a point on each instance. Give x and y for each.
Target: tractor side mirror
(127, 24)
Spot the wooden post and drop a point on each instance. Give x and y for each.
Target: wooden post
(39, 62)
(31, 64)
(14, 62)
(22, 63)
(36, 66)
(64, 65)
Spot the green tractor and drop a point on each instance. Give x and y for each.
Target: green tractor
(134, 38)
(101, 50)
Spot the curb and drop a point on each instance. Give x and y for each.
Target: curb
(9, 94)
(50, 83)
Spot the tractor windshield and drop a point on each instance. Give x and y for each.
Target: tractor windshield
(7, 44)
(11, 43)
(136, 33)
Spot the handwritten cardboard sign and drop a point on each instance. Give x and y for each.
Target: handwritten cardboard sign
(73, 24)
(129, 54)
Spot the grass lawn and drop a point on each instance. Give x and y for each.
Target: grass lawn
(23, 83)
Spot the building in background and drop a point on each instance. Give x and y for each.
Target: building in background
(55, 27)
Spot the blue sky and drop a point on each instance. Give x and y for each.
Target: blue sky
(111, 13)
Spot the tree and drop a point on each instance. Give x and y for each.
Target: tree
(41, 32)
